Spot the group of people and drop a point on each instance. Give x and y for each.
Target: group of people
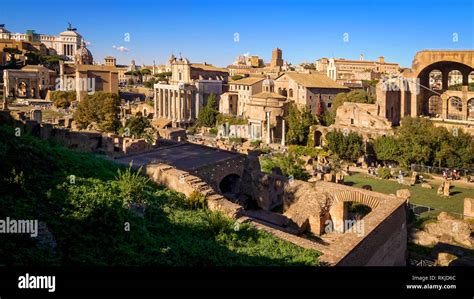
(451, 175)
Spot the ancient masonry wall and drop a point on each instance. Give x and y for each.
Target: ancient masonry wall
(386, 245)
(215, 172)
(184, 182)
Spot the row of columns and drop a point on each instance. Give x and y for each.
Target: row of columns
(68, 50)
(176, 105)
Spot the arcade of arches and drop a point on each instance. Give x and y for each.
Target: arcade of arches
(446, 84)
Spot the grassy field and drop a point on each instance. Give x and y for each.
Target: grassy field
(419, 195)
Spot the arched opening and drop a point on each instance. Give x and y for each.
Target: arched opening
(290, 93)
(22, 89)
(470, 109)
(284, 92)
(230, 184)
(455, 80)
(435, 106)
(455, 108)
(470, 81)
(357, 210)
(436, 80)
(317, 138)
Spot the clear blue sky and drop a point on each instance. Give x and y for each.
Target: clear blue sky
(203, 30)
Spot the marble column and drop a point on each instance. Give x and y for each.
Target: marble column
(268, 127)
(168, 103)
(179, 108)
(173, 105)
(283, 132)
(155, 105)
(185, 105)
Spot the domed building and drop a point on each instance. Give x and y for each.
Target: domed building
(83, 55)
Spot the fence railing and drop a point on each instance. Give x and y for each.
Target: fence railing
(419, 209)
(440, 170)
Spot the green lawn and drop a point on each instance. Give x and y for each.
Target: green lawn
(419, 195)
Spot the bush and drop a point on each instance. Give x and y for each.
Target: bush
(289, 165)
(236, 77)
(101, 108)
(237, 140)
(196, 200)
(348, 147)
(384, 173)
(255, 143)
(133, 185)
(231, 120)
(136, 126)
(217, 223)
(62, 99)
(299, 150)
(208, 115)
(192, 130)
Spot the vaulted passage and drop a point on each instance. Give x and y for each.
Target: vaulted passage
(230, 184)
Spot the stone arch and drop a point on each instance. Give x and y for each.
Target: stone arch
(436, 80)
(435, 106)
(230, 184)
(356, 196)
(338, 210)
(470, 109)
(290, 92)
(454, 108)
(318, 135)
(454, 80)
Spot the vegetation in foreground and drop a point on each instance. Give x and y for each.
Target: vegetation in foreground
(87, 204)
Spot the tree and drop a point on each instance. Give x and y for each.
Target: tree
(355, 96)
(101, 109)
(236, 77)
(51, 62)
(62, 99)
(137, 126)
(347, 146)
(208, 115)
(299, 123)
(386, 149)
(418, 141)
(288, 164)
(33, 58)
(149, 83)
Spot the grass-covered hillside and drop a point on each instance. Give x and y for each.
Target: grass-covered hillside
(84, 201)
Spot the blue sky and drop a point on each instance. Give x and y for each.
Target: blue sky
(203, 30)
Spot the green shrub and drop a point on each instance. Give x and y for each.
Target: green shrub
(289, 165)
(237, 140)
(196, 200)
(217, 223)
(133, 185)
(384, 173)
(255, 143)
